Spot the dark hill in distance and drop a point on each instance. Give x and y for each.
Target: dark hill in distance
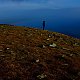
(33, 54)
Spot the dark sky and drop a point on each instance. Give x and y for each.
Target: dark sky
(33, 4)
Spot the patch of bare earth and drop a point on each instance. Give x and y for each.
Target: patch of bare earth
(33, 54)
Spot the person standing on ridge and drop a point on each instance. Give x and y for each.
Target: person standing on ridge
(43, 25)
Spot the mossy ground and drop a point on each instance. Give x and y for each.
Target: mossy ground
(23, 57)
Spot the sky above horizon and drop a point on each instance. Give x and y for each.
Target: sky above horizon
(34, 4)
(60, 15)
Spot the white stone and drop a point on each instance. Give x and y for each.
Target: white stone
(63, 56)
(49, 36)
(43, 46)
(36, 30)
(65, 48)
(48, 39)
(41, 76)
(76, 44)
(65, 64)
(1, 50)
(41, 34)
(37, 60)
(8, 48)
(53, 45)
(2, 55)
(71, 54)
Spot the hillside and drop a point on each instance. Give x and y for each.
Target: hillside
(33, 54)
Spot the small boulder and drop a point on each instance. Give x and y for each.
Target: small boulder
(65, 64)
(37, 60)
(53, 45)
(76, 44)
(50, 35)
(41, 34)
(44, 46)
(1, 50)
(41, 46)
(8, 48)
(2, 55)
(63, 56)
(48, 39)
(71, 55)
(42, 76)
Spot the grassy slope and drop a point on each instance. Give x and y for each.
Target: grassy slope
(23, 57)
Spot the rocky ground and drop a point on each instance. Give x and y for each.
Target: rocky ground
(33, 54)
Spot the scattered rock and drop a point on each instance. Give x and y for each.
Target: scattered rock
(76, 44)
(48, 39)
(78, 54)
(65, 64)
(30, 35)
(37, 60)
(23, 46)
(40, 60)
(60, 57)
(22, 57)
(63, 56)
(2, 55)
(53, 45)
(44, 46)
(12, 42)
(50, 35)
(61, 38)
(65, 48)
(36, 30)
(71, 55)
(41, 76)
(41, 34)
(8, 48)
(41, 46)
(1, 50)
(12, 52)
(78, 73)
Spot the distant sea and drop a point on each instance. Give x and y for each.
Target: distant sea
(66, 20)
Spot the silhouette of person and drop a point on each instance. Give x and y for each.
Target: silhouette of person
(43, 25)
